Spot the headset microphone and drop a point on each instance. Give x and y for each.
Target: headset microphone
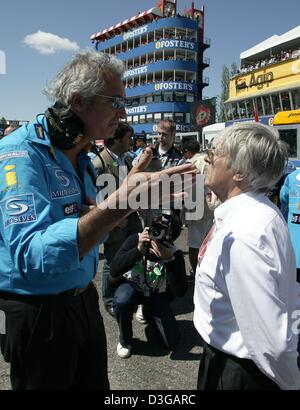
(65, 127)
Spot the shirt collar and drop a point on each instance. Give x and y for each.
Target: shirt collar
(120, 159)
(230, 207)
(112, 154)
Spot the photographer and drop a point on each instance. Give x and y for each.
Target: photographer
(151, 272)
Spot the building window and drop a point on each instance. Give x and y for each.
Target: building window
(258, 106)
(242, 108)
(285, 99)
(150, 37)
(296, 98)
(180, 97)
(168, 97)
(142, 100)
(142, 119)
(267, 105)
(276, 103)
(249, 108)
(188, 118)
(158, 34)
(157, 117)
(179, 117)
(149, 118)
(168, 116)
(149, 98)
(157, 97)
(190, 98)
(236, 114)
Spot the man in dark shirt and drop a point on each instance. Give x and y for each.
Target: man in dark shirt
(169, 155)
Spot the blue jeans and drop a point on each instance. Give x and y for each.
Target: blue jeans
(110, 249)
(157, 310)
(107, 294)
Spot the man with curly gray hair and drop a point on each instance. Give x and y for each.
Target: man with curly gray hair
(51, 227)
(245, 288)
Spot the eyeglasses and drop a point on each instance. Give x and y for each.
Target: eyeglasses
(211, 156)
(117, 103)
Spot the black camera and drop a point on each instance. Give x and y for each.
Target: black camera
(154, 153)
(160, 230)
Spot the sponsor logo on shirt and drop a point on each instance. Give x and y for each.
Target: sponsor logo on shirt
(18, 209)
(63, 185)
(59, 173)
(39, 131)
(71, 209)
(13, 154)
(296, 219)
(10, 175)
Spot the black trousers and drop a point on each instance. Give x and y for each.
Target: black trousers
(55, 342)
(221, 371)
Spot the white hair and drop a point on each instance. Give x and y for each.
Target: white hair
(84, 75)
(255, 151)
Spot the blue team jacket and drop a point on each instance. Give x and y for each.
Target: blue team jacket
(290, 207)
(40, 198)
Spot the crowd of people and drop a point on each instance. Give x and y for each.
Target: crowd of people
(274, 58)
(56, 210)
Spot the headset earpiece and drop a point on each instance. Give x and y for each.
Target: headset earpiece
(65, 129)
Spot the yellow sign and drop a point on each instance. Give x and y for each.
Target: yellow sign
(287, 117)
(10, 175)
(285, 74)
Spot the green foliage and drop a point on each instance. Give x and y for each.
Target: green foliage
(233, 69)
(227, 74)
(225, 80)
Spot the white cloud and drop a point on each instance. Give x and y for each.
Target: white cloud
(48, 43)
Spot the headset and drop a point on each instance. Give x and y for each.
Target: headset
(65, 127)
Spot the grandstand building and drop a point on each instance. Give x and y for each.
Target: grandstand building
(164, 56)
(268, 80)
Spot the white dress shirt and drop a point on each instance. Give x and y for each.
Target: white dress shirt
(246, 289)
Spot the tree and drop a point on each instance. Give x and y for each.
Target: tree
(225, 80)
(233, 69)
(3, 120)
(227, 74)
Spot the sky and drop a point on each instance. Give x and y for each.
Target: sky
(63, 27)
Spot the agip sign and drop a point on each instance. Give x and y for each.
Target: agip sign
(283, 75)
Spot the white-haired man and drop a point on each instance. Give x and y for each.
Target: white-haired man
(245, 285)
(49, 244)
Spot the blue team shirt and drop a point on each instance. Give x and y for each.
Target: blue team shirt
(290, 207)
(40, 199)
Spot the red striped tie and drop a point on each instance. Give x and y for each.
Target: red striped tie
(205, 243)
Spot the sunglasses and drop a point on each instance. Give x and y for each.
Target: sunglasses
(117, 103)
